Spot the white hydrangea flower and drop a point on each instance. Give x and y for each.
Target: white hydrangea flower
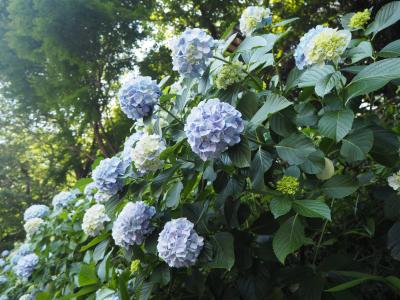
(93, 220)
(32, 226)
(252, 16)
(394, 181)
(146, 154)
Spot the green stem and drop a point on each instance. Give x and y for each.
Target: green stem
(168, 112)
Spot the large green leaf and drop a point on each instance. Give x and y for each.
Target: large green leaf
(173, 195)
(394, 241)
(295, 149)
(373, 77)
(340, 186)
(262, 161)
(87, 275)
(314, 163)
(248, 105)
(240, 154)
(312, 209)
(289, 238)
(386, 16)
(386, 146)
(224, 256)
(391, 50)
(336, 124)
(328, 82)
(273, 104)
(357, 144)
(363, 50)
(280, 206)
(314, 74)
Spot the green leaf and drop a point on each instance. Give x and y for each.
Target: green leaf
(386, 146)
(280, 206)
(394, 241)
(43, 296)
(289, 238)
(81, 183)
(391, 50)
(248, 105)
(357, 145)
(386, 16)
(312, 209)
(251, 42)
(240, 154)
(295, 149)
(350, 284)
(312, 75)
(173, 195)
(223, 250)
(95, 241)
(340, 186)
(262, 161)
(273, 104)
(327, 83)
(87, 275)
(336, 124)
(373, 77)
(314, 163)
(363, 50)
(99, 251)
(82, 292)
(293, 79)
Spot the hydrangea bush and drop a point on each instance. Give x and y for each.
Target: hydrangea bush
(252, 184)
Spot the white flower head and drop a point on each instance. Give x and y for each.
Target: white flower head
(252, 16)
(394, 181)
(32, 226)
(146, 154)
(93, 220)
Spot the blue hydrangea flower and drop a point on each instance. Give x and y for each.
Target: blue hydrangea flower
(90, 190)
(126, 154)
(138, 97)
(5, 253)
(63, 199)
(2, 262)
(191, 52)
(6, 268)
(133, 224)
(178, 243)
(101, 197)
(3, 279)
(212, 127)
(23, 250)
(26, 265)
(107, 175)
(36, 211)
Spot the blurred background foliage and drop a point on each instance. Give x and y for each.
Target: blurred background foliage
(61, 64)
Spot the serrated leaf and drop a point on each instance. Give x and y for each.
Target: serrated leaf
(363, 50)
(340, 186)
(173, 195)
(280, 206)
(357, 145)
(312, 75)
(273, 104)
(87, 275)
(336, 124)
(314, 163)
(295, 149)
(224, 256)
(327, 83)
(289, 238)
(262, 161)
(391, 50)
(386, 16)
(240, 154)
(312, 209)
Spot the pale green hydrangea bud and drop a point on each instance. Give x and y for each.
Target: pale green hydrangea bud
(135, 265)
(328, 171)
(32, 226)
(359, 19)
(229, 74)
(288, 185)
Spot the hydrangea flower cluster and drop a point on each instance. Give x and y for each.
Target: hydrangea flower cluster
(178, 243)
(107, 175)
(394, 181)
(230, 74)
(359, 19)
(129, 144)
(288, 185)
(2, 262)
(90, 190)
(252, 16)
(23, 250)
(5, 253)
(146, 154)
(212, 127)
(32, 226)
(321, 44)
(26, 265)
(101, 197)
(62, 199)
(138, 97)
(133, 224)
(3, 279)
(36, 211)
(93, 220)
(191, 52)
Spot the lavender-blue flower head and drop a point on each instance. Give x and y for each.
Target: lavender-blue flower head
(5, 253)
(133, 224)
(191, 52)
(36, 211)
(137, 97)
(107, 175)
(26, 265)
(178, 243)
(62, 199)
(212, 127)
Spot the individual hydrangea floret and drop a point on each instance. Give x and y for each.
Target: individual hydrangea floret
(36, 211)
(178, 243)
(229, 74)
(253, 16)
(93, 220)
(90, 190)
(146, 154)
(5, 253)
(126, 154)
(63, 199)
(138, 97)
(107, 175)
(133, 224)
(26, 265)
(321, 44)
(394, 181)
(360, 19)
(212, 127)
(288, 185)
(191, 52)
(32, 226)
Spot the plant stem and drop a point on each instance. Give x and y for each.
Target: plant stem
(168, 112)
